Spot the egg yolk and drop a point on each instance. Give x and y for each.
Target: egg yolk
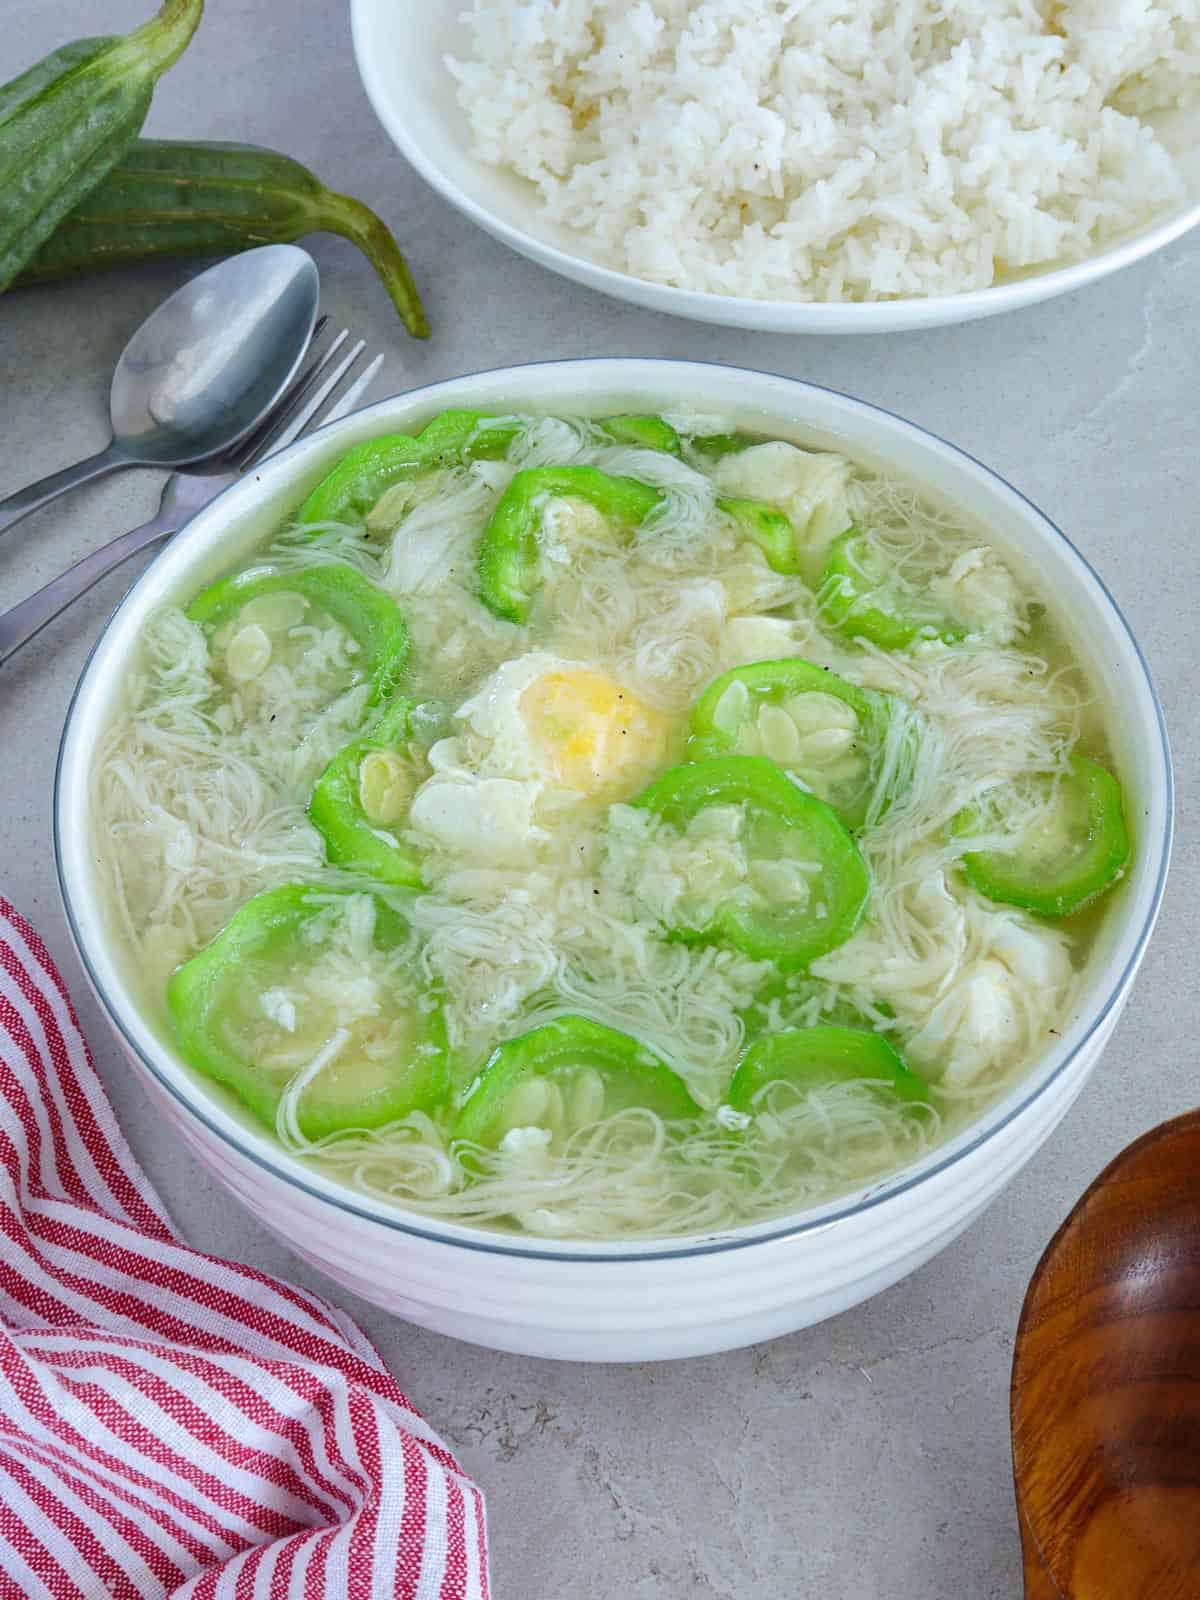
(596, 737)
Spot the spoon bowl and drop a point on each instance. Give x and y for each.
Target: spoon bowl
(1106, 1385)
(201, 371)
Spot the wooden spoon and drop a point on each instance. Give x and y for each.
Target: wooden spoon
(1106, 1385)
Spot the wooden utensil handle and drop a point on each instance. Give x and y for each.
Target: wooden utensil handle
(1039, 1585)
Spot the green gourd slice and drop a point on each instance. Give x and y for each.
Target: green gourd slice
(565, 1075)
(806, 884)
(371, 618)
(811, 1058)
(865, 601)
(363, 795)
(648, 432)
(712, 447)
(1074, 850)
(854, 748)
(262, 1002)
(365, 473)
(768, 528)
(510, 559)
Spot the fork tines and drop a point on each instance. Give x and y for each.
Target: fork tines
(301, 407)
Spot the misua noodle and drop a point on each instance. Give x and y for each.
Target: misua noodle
(608, 828)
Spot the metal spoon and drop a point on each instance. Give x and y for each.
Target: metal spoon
(201, 370)
(1106, 1385)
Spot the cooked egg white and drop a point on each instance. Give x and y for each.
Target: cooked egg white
(974, 992)
(811, 487)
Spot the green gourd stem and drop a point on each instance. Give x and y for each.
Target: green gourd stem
(340, 213)
(163, 39)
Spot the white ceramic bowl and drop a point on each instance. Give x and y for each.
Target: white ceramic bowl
(401, 46)
(636, 1300)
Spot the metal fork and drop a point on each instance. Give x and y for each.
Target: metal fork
(300, 409)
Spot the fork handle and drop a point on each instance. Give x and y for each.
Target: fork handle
(28, 617)
(35, 495)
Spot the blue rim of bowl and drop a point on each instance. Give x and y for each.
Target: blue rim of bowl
(877, 1194)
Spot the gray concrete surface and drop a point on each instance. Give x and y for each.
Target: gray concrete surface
(867, 1459)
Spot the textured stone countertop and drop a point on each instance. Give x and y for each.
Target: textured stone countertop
(866, 1459)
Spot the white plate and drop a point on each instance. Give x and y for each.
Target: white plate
(401, 46)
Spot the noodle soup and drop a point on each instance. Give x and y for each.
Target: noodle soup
(611, 828)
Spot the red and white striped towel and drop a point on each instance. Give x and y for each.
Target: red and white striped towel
(170, 1423)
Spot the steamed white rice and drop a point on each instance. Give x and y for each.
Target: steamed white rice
(834, 149)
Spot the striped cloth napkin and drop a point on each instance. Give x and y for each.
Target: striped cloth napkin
(170, 1423)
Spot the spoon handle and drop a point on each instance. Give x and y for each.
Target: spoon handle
(21, 622)
(34, 495)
